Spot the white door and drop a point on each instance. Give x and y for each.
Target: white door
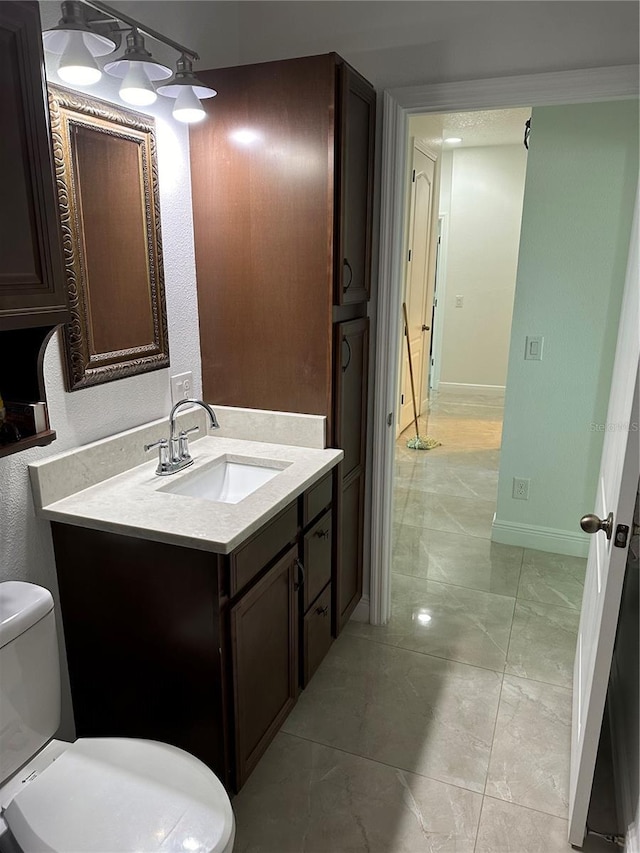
(419, 288)
(617, 487)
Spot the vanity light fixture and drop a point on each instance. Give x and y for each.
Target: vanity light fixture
(453, 140)
(137, 69)
(89, 28)
(78, 45)
(188, 91)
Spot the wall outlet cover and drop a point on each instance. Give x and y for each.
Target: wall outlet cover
(181, 387)
(521, 488)
(533, 347)
(459, 301)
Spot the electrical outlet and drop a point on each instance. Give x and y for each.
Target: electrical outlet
(459, 301)
(181, 387)
(521, 488)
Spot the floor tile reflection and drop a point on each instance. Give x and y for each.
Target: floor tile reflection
(446, 621)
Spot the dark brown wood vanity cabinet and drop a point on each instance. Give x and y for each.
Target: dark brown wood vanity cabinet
(32, 284)
(282, 187)
(203, 651)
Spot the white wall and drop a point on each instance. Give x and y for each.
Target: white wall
(398, 43)
(580, 190)
(82, 416)
(481, 202)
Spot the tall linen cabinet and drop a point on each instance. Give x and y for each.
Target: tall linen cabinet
(282, 183)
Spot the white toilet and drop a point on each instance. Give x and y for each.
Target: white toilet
(112, 795)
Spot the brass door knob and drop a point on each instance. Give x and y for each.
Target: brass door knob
(425, 328)
(592, 524)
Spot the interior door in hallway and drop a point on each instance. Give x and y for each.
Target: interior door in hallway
(419, 282)
(615, 499)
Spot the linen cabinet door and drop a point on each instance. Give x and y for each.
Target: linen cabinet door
(264, 653)
(356, 134)
(348, 590)
(350, 392)
(32, 286)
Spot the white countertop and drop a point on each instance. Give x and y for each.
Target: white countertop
(133, 503)
(111, 484)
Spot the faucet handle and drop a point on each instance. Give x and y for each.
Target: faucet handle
(183, 449)
(163, 454)
(161, 443)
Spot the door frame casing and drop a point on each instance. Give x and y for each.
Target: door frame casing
(532, 90)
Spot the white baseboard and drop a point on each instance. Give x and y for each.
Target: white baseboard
(540, 538)
(361, 613)
(464, 388)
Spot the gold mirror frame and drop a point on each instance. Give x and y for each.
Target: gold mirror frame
(143, 345)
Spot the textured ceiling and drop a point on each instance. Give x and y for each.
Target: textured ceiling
(490, 127)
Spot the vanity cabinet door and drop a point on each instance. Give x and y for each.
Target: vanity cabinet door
(356, 134)
(264, 652)
(32, 286)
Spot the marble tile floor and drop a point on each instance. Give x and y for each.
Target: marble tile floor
(448, 729)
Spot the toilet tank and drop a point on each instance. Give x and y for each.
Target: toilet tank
(30, 673)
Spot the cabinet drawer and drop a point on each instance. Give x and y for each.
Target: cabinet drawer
(263, 546)
(317, 498)
(317, 634)
(317, 558)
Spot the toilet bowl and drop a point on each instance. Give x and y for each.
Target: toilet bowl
(96, 795)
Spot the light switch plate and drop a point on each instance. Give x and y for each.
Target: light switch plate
(459, 301)
(181, 387)
(533, 347)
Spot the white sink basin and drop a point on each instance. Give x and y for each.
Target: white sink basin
(228, 479)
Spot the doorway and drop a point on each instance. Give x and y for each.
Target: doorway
(507, 711)
(461, 259)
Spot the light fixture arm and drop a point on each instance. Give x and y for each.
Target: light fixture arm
(143, 28)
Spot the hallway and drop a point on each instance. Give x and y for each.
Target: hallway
(449, 728)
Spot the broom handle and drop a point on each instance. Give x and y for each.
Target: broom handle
(413, 390)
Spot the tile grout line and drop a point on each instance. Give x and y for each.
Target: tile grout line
(430, 655)
(455, 585)
(382, 763)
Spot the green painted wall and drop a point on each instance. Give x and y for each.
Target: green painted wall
(580, 188)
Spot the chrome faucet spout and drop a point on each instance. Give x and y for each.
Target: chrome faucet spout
(172, 420)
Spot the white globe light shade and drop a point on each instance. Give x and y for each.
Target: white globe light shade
(77, 66)
(136, 87)
(187, 107)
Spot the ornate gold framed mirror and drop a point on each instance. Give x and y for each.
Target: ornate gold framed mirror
(108, 200)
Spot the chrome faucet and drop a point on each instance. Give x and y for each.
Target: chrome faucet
(173, 453)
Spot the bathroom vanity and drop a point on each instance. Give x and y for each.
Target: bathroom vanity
(191, 621)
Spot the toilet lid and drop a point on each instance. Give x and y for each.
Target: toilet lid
(115, 794)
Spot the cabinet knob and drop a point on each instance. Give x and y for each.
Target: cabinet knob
(322, 534)
(348, 346)
(323, 611)
(346, 286)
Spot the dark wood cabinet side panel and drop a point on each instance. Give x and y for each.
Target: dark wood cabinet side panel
(262, 178)
(142, 631)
